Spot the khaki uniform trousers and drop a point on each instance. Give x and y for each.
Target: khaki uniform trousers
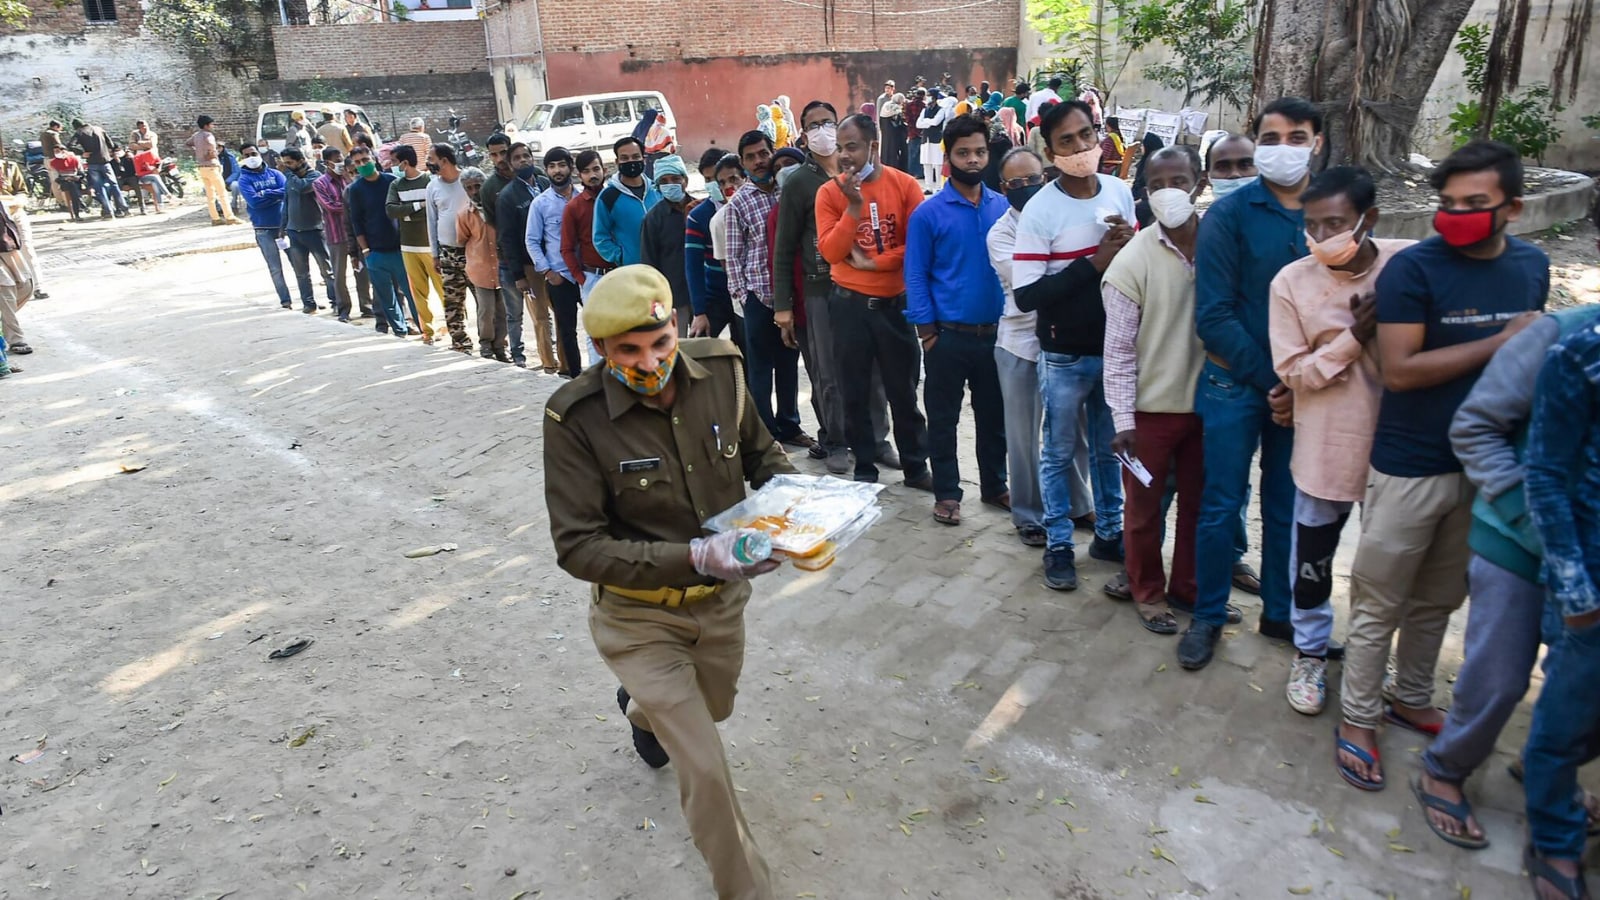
(681, 667)
(1409, 575)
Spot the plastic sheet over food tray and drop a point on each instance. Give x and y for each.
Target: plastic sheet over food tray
(800, 512)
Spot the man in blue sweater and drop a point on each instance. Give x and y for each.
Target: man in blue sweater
(264, 191)
(619, 211)
(379, 240)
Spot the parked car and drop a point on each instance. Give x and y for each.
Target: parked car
(272, 120)
(589, 122)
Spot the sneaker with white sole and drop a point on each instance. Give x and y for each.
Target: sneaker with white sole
(1308, 685)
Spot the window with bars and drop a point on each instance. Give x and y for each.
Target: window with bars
(101, 11)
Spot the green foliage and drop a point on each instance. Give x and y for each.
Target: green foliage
(14, 13)
(1211, 46)
(1592, 122)
(62, 111)
(208, 27)
(320, 91)
(1526, 120)
(402, 13)
(1086, 31)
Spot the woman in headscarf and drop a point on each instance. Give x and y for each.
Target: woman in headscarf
(893, 146)
(764, 123)
(781, 133)
(1141, 194)
(869, 109)
(658, 144)
(641, 129)
(1111, 148)
(994, 101)
(1008, 124)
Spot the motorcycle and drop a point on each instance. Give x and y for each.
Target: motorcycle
(34, 173)
(467, 153)
(171, 178)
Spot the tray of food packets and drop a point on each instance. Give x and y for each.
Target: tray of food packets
(808, 518)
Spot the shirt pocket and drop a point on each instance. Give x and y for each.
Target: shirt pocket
(642, 492)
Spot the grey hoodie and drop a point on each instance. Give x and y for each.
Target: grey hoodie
(1485, 428)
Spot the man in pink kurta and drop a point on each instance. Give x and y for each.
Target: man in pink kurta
(1321, 323)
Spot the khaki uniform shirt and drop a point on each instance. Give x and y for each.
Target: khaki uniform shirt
(628, 485)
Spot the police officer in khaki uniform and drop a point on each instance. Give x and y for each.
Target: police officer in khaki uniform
(639, 451)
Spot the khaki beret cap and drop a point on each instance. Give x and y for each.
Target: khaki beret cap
(630, 298)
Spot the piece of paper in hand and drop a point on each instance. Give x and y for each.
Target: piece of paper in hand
(1132, 464)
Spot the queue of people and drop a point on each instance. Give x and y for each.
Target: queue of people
(1123, 353)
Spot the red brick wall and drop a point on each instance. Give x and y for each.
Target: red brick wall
(717, 28)
(379, 49)
(66, 17)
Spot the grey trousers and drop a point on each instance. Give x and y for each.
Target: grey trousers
(492, 326)
(1024, 409)
(1502, 645)
(25, 234)
(827, 400)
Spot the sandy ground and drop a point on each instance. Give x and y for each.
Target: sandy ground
(195, 477)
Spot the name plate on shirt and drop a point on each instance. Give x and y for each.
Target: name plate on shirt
(640, 465)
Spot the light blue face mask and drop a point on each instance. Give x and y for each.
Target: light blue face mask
(672, 193)
(1222, 187)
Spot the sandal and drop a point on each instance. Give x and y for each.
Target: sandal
(1163, 622)
(1246, 579)
(1394, 718)
(1461, 812)
(947, 512)
(1373, 758)
(1539, 869)
(291, 649)
(1514, 769)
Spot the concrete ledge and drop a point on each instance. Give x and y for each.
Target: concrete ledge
(1566, 196)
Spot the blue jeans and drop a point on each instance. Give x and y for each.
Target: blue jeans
(267, 240)
(103, 181)
(771, 364)
(386, 270)
(303, 247)
(1241, 535)
(1068, 383)
(514, 308)
(1237, 420)
(1565, 734)
(914, 158)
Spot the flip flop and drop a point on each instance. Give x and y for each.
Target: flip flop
(947, 512)
(1458, 811)
(1514, 769)
(1356, 750)
(1394, 718)
(1540, 869)
(291, 649)
(1162, 622)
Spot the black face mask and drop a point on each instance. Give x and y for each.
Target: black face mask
(526, 173)
(1019, 197)
(963, 176)
(434, 168)
(632, 169)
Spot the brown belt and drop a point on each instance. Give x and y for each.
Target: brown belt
(983, 330)
(672, 598)
(1216, 360)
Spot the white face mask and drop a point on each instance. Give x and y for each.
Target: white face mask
(252, 162)
(823, 139)
(1172, 206)
(1222, 187)
(1283, 165)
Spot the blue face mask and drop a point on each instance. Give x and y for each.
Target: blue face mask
(1222, 187)
(673, 193)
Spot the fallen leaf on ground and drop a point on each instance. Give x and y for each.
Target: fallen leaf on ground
(1336, 852)
(136, 467)
(306, 735)
(1202, 798)
(420, 552)
(1300, 891)
(170, 779)
(1161, 854)
(1400, 848)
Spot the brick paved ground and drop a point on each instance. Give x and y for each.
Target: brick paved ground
(923, 719)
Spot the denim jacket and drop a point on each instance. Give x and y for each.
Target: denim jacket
(1562, 465)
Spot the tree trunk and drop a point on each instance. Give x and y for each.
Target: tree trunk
(1367, 64)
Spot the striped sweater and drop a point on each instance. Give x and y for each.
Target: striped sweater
(1051, 271)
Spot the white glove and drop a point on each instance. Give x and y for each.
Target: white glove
(713, 557)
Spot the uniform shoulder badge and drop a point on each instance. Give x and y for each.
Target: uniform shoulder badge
(571, 394)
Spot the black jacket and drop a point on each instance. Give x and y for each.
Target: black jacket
(661, 246)
(511, 224)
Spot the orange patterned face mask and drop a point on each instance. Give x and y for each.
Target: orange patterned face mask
(647, 383)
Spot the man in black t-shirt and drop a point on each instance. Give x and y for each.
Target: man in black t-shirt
(1444, 307)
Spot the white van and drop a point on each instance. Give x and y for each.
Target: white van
(590, 122)
(272, 120)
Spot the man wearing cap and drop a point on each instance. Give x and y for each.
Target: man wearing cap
(639, 451)
(661, 237)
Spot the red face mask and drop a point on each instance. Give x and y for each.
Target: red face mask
(1465, 227)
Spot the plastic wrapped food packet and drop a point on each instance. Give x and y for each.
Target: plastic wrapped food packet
(802, 514)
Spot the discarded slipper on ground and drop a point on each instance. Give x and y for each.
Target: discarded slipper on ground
(289, 650)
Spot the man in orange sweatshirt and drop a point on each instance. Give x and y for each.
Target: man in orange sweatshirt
(861, 231)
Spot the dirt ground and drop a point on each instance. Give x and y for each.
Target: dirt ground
(194, 478)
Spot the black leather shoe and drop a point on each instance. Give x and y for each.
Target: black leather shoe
(1335, 651)
(1198, 644)
(644, 742)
